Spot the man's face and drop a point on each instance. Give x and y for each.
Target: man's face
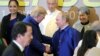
(27, 36)
(51, 5)
(59, 21)
(83, 17)
(40, 17)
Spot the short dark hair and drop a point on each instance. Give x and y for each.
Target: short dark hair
(19, 28)
(14, 1)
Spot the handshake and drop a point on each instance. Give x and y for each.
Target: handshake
(47, 48)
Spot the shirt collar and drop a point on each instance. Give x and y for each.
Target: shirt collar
(20, 47)
(50, 13)
(35, 21)
(64, 27)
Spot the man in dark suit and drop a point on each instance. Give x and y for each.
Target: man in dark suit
(22, 36)
(36, 47)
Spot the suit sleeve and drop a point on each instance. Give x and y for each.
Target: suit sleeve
(46, 39)
(76, 38)
(35, 44)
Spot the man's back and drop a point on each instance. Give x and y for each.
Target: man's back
(12, 50)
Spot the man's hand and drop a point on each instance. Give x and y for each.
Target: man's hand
(47, 48)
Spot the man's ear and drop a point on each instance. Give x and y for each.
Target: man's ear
(19, 36)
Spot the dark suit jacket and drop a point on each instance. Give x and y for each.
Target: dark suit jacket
(5, 23)
(12, 50)
(36, 48)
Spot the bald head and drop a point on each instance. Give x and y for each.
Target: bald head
(52, 4)
(64, 16)
(62, 19)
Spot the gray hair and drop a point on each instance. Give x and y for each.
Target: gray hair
(85, 10)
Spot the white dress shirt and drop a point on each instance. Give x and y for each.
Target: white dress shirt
(48, 25)
(20, 47)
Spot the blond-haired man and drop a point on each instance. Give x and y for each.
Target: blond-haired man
(36, 48)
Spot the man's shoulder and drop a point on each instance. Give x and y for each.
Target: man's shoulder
(71, 30)
(11, 50)
(8, 51)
